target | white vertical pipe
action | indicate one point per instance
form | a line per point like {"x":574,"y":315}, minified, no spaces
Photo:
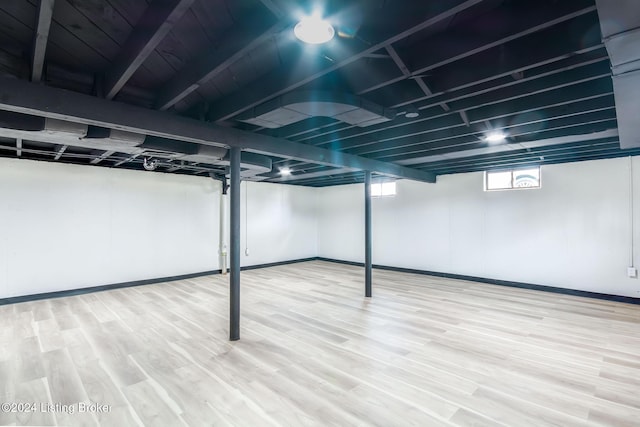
{"x":223,"y":232}
{"x":631,"y":212}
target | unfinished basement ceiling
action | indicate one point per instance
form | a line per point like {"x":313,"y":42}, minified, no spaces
{"x":536,"y":69}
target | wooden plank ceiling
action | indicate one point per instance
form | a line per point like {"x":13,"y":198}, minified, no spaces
{"x":534,"y":69}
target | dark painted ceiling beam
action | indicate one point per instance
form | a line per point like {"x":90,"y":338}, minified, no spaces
{"x":41,"y":37}
{"x":240,"y":40}
{"x":419,"y":162}
{"x":538,"y":118}
{"x":597,"y":72}
{"x":593,"y":122}
{"x":601,"y":87}
{"x":406,"y":73}
{"x":469,"y":79}
{"x":532,"y":159}
{"x":280,"y":8}
{"x":153,"y":26}
{"x":347,"y":51}
{"x":518,"y":158}
{"x":27,"y":98}
{"x":537,"y":19}
{"x":433,"y":56}
{"x":507,"y":60}
{"x":544,"y":75}
{"x":496,"y":159}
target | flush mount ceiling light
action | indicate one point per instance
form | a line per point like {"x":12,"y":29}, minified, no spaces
{"x":285,"y":172}
{"x":314,"y":30}
{"x":412,"y":112}
{"x":495,"y":137}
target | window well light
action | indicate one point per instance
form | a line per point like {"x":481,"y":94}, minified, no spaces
{"x":285,"y":172}
{"x":314,"y":30}
{"x":495,"y":137}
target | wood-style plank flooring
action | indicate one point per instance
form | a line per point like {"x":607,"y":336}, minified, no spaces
{"x":423,"y":352}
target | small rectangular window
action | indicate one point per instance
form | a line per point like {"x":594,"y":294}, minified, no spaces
{"x":512,"y":179}
{"x":383,"y":189}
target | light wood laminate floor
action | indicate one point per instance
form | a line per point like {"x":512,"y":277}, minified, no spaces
{"x":424,"y":351}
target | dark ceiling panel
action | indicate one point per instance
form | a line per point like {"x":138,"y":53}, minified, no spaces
{"x":535,"y":69}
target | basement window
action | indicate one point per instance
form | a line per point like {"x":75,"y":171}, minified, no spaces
{"x":512,"y":179}
{"x":383,"y":189}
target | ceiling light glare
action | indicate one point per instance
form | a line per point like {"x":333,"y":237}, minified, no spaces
{"x":285,"y":172}
{"x":314,"y":30}
{"x":495,"y":137}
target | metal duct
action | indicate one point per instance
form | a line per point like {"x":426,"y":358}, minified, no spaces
{"x":620,"y":25}
{"x":297,"y":106}
{"x":33,"y":128}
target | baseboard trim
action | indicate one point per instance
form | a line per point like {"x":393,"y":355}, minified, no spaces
{"x":535,"y":287}
{"x":88,"y":290}
{"x":276,"y":264}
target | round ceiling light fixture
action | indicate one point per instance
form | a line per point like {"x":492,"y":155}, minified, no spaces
{"x":411,"y":112}
{"x":314,"y":30}
{"x":495,"y":137}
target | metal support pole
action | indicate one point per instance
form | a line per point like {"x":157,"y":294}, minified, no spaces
{"x":367,"y":234}
{"x":234,"y":280}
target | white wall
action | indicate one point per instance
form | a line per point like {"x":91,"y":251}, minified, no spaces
{"x":282,"y":223}
{"x":573,"y":233}
{"x":67,"y":226}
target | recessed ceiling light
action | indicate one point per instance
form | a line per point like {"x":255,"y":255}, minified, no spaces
{"x":495,"y":137}
{"x":411,"y":112}
{"x":314,"y":30}
{"x":285,"y":171}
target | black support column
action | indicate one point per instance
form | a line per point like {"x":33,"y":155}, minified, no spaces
{"x":234,"y":282}
{"x":367,"y":234}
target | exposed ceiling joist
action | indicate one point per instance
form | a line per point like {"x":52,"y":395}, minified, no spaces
{"x":611,"y":133}
{"x":544,"y":106}
{"x":274,"y":85}
{"x":315,"y":174}
{"x":530,"y":25}
{"x":406,"y":73}
{"x":155,"y":24}
{"x":127,"y":160}
{"x":430,"y":60}
{"x":518,"y":125}
{"x":279,"y":8}
{"x":60,"y":152}
{"x":102,"y":157}
{"x":24,"y":97}
{"x":236,"y":44}
{"x":41,"y":37}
